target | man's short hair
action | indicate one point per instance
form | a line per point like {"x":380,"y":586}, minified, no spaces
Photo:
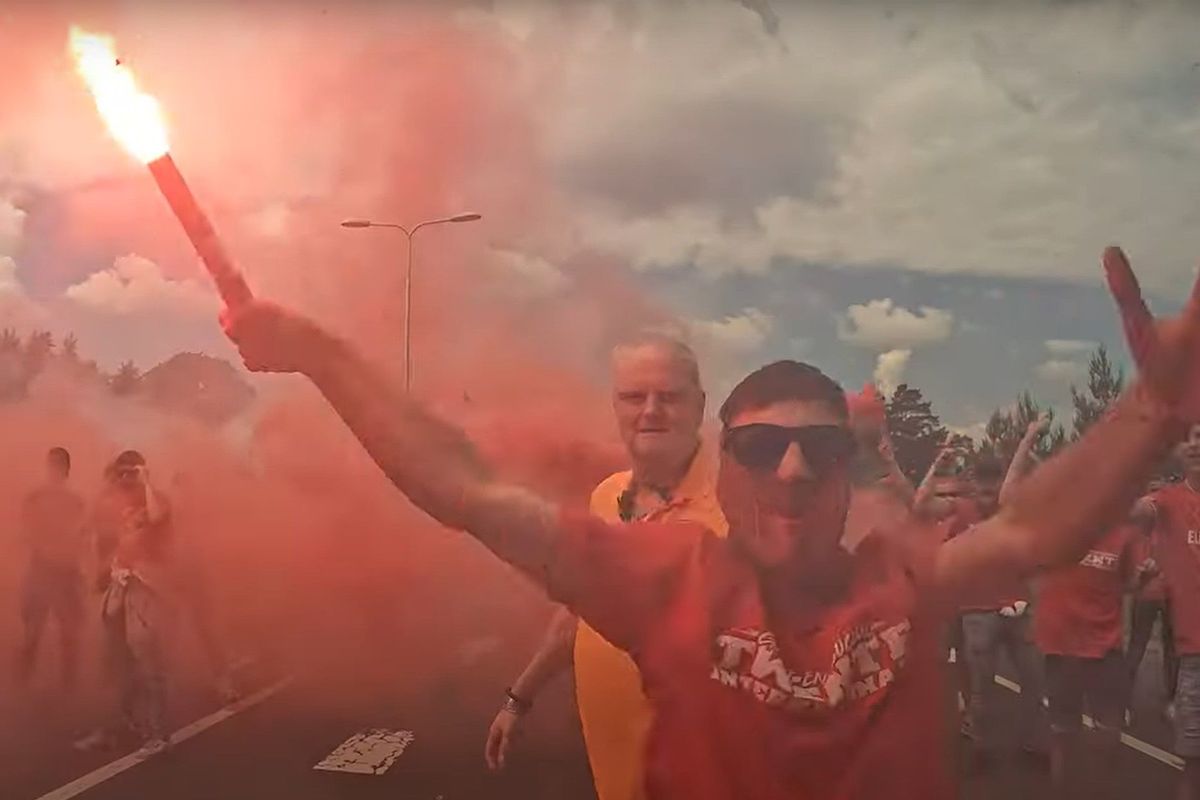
{"x":782,"y":381}
{"x":675,"y":346}
{"x":129,"y":458}
{"x":61,"y":457}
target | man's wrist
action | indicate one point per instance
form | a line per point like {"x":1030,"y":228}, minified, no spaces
{"x":1141,"y":405}
{"x":324,"y":354}
{"x":516,"y":704}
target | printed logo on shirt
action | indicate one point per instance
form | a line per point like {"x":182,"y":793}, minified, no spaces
{"x":1193,"y":537}
{"x":864,"y":661}
{"x":1100,"y":560}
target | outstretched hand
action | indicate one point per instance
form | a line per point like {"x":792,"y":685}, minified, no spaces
{"x":1166,"y":351}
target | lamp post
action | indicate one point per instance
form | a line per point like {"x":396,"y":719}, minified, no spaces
{"x":409,"y":233}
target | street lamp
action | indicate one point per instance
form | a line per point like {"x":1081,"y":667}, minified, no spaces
{"x":409,"y":233}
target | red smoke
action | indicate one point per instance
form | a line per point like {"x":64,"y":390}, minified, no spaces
{"x":310,"y":559}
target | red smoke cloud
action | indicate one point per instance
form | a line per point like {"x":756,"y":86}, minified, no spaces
{"x":310,"y":559}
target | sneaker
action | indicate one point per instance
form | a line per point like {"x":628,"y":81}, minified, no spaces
{"x":228,"y":689}
{"x":153,"y":747}
{"x":967,"y":729}
{"x":1037,"y":754}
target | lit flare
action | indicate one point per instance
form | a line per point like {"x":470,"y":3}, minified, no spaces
{"x":133,"y":117}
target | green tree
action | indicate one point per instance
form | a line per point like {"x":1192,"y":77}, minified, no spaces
{"x":126,"y":380}
{"x":1006,"y":427}
{"x":69,"y":349}
{"x":915,"y":430}
{"x":39,"y":348}
{"x":1105,"y":383}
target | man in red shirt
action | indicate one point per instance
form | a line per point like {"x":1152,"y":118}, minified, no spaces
{"x":958,"y":501}
{"x":780,"y":665}
{"x":1150,"y":605}
{"x":1000,"y":624}
{"x":1174,"y":511}
{"x":52,"y":524}
{"x":1078,"y":626}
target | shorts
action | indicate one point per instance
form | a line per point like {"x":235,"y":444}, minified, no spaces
{"x":52,"y":589}
{"x":1187,"y":708}
{"x":1074,"y":682}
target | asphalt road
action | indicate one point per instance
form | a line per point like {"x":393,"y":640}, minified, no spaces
{"x":268,"y":750}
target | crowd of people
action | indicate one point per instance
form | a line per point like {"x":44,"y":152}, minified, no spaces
{"x":1063,"y":633}
{"x":795,"y":646}
{"x":110,"y":561}
{"x":769,"y":611}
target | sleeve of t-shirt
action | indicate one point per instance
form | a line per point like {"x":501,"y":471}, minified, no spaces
{"x":618,"y":577}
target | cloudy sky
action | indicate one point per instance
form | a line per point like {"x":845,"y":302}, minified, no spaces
{"x":906,"y":192}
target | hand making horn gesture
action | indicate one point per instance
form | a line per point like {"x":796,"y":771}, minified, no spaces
{"x":1166,"y":351}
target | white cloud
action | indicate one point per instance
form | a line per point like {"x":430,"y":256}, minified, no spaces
{"x":889,"y":368}
{"x":528,"y":275}
{"x":272,"y":221}
{"x":956,"y":139}
{"x":1068,"y":347}
{"x":135,"y":284}
{"x":9,"y":283}
{"x":12,"y":226}
{"x":799,"y":346}
{"x":1057,"y":370}
{"x":882,"y":325}
{"x":976,"y":430}
{"x":735,"y":334}
{"x":17,"y":309}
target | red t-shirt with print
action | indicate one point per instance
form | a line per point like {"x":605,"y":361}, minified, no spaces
{"x":1079,"y":606}
{"x":850,"y":706}
{"x":1177,"y":541}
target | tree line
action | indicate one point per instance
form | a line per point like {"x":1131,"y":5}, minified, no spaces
{"x":918,"y":434}
{"x":191,"y":383}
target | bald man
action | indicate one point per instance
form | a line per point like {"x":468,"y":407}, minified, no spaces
{"x":658,"y":402}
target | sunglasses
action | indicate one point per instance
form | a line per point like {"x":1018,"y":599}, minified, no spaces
{"x":761,"y":446}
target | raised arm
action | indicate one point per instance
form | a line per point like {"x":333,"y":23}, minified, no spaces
{"x":925,"y":502}
{"x":1049,"y":520}
{"x":1024,"y":460}
{"x":428,"y":459}
{"x":894,"y":477}
{"x":158,"y":510}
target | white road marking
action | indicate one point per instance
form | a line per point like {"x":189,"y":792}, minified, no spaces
{"x":101,"y":774}
{"x":369,"y":752}
{"x":1145,"y":748}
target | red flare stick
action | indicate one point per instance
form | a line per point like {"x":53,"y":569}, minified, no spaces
{"x":231,"y":284}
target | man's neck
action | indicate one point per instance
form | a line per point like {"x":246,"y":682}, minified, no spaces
{"x":1192,"y":479}
{"x":795,"y":595}
{"x":664,"y":475}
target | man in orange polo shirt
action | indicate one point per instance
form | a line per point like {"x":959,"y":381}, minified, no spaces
{"x":658,"y":402}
